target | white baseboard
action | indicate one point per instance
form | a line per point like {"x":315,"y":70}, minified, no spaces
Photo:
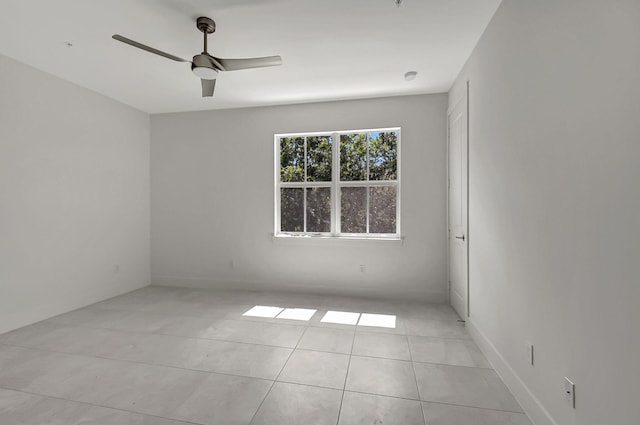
{"x":529,"y":402}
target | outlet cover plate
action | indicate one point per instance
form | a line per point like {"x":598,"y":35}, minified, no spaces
{"x":570,"y":392}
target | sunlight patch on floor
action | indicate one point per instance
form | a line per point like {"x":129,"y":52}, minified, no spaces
{"x":378,"y":320}
{"x":297,"y":314}
{"x":263,"y":311}
{"x":331,"y":316}
{"x":341,"y":317}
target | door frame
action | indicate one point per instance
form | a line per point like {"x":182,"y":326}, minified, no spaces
{"x":464,"y":97}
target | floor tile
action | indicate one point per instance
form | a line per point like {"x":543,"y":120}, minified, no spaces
{"x":326,"y":339}
{"x":316,"y":368}
{"x":381,"y":376}
{"x":436,"y":328}
{"x":429,"y":311}
{"x":457,"y":352}
{"x":399,"y":328}
{"x":188,"y":326}
{"x":80,"y":340}
{"x":467,"y":386}
{"x":255,"y":332}
{"x":36,"y":371}
{"x":356,"y":304}
{"x":154,"y":390}
{"x":223,"y":399}
{"x":135,"y":321}
{"x":366,"y":409}
{"x":251,"y":360}
{"x":22,"y":408}
{"x":256,"y":361}
{"x":291,"y":404}
{"x":189,"y":355}
{"x":445,"y":414}
{"x":387,"y":346}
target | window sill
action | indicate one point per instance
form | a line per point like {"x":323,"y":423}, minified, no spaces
{"x":339,"y":240}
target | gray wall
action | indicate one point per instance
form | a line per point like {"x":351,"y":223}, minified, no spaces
{"x":213,"y":209}
{"x":554,"y":150}
{"x":74,"y":196}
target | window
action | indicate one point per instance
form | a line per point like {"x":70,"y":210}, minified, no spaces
{"x":343,"y":183}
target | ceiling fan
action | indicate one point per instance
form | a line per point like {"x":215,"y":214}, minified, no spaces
{"x":205,"y":66}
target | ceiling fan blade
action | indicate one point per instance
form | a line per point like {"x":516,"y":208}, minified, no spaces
{"x":238,"y":64}
{"x":147,"y":48}
{"x":207,"y":87}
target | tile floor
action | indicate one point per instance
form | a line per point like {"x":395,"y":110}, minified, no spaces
{"x":171,"y":356}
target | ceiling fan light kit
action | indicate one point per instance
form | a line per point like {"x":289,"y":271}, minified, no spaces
{"x":205,"y":66}
{"x":202,"y":68}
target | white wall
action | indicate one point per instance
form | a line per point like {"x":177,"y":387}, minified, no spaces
{"x":554,"y":233}
{"x":212,"y":202}
{"x":74,"y":196}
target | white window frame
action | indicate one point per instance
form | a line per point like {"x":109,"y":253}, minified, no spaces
{"x":335,"y":185}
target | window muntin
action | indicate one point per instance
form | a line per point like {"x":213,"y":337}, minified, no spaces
{"x":349,"y":188}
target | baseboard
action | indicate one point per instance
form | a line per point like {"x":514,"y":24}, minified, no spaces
{"x":335,"y":288}
{"x":529,"y":403}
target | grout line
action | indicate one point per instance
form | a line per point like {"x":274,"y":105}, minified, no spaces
{"x":474,"y":407}
{"x":92,"y":356}
{"x":100,"y":405}
{"x":415,"y":379}
{"x":344,"y":387}
{"x":76,"y":325}
{"x":424,"y":417}
{"x":311,"y":385}
{"x":277,"y":376}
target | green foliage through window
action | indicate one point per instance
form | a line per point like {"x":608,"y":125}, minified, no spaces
{"x":367,"y":186}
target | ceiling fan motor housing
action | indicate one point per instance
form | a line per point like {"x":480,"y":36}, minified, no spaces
{"x":203,"y":67}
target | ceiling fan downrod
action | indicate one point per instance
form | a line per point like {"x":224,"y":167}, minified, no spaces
{"x":206,"y":26}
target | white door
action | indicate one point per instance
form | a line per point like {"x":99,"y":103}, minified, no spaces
{"x":458,"y":238}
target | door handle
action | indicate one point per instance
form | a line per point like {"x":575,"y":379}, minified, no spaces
{"x":460,"y":237}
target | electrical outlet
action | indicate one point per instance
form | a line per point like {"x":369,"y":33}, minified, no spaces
{"x":530,"y":357}
{"x":116,"y":268}
{"x":570,"y":392}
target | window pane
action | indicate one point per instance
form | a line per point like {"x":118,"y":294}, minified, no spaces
{"x":383,"y":155}
{"x":291,"y":159}
{"x":319,"y":158}
{"x":319,"y":209}
{"x":291,"y":210}
{"x":382,"y":209}
{"x":354,"y":210}
{"x":353,"y":157}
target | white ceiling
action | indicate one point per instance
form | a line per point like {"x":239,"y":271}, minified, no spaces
{"x":331,"y":49}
